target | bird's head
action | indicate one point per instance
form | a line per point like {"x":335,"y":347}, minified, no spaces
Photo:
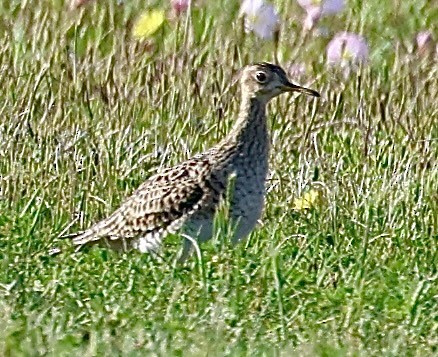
{"x":266,"y":81}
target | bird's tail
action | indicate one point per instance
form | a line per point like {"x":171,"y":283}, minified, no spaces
{"x":108,"y":227}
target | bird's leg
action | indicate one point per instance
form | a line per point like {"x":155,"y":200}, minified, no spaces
{"x":189,"y":244}
{"x":186,"y":251}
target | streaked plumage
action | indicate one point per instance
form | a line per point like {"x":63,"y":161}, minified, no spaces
{"x":185,"y":197}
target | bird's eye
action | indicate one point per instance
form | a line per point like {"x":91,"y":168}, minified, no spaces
{"x":261,"y":77}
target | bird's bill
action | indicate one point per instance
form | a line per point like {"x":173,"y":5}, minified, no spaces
{"x":290,"y":87}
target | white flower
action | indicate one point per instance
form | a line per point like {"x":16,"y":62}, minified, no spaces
{"x":260,"y":17}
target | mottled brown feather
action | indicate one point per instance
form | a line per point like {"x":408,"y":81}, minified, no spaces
{"x":159,"y":204}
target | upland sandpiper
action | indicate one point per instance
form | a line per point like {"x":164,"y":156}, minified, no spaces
{"x":184,"y":198}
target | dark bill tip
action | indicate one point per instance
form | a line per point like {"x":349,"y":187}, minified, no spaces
{"x":290,"y":87}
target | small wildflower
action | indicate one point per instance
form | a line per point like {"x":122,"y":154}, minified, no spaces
{"x":148,"y":23}
{"x":347,"y":48}
{"x":296,"y":70}
{"x":260,"y":17}
{"x":313,"y":16}
{"x":180,"y":6}
{"x":316,"y":9}
{"x":327,"y":7}
{"x":306,"y":201}
{"x":424,"y":43}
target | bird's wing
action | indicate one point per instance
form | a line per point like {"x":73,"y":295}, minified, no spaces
{"x":159,"y":206}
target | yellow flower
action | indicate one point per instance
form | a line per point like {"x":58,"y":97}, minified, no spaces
{"x":148,"y":23}
{"x":306,"y":201}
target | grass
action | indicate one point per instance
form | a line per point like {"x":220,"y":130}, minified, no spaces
{"x":88,"y":113}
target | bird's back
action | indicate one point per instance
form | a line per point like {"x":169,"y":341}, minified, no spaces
{"x":159,"y":206}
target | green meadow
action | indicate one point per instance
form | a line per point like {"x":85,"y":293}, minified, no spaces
{"x":88,"y":112}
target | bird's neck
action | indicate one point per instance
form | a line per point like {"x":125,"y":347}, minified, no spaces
{"x":251,"y":124}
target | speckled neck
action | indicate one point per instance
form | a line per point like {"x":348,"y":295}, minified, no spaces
{"x":250,"y":127}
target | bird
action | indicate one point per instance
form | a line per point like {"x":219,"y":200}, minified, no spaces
{"x":185,"y":198}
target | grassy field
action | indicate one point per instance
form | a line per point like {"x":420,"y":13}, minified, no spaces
{"x":88,"y":113}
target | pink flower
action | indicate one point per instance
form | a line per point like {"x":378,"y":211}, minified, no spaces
{"x":423,"y":38}
{"x":316,"y":9}
{"x":424,"y":43}
{"x":313,"y":15}
{"x":180,"y":6}
{"x":260,"y":17}
{"x":347,"y":48}
{"x":296,"y":70}
{"x":327,"y":7}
